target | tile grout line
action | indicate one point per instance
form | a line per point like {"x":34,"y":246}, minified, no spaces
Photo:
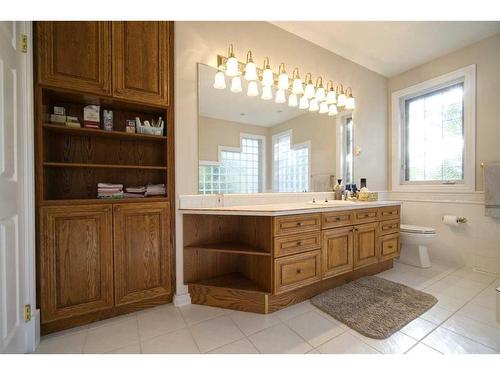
{"x":189,"y":330}
{"x":245,"y":335}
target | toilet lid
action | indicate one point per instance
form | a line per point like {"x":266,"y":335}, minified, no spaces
{"x":416,"y":229}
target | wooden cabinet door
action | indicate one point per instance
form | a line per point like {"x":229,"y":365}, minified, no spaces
{"x":365,"y":245}
{"x":141,"y":61}
{"x":76,"y":260}
{"x":390,"y":246}
{"x":142,"y":251}
{"x":337,"y":252}
{"x":75,"y":55}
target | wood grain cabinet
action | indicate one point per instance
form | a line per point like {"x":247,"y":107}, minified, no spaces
{"x":366,"y":249}
{"x":141,"y":61}
{"x":75,"y":55}
{"x":76,"y":262}
{"x":142,"y":251}
{"x":337,"y":252}
{"x":296,"y":271}
{"x":390,"y":246}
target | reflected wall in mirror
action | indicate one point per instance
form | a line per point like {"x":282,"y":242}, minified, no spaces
{"x":250,"y":145}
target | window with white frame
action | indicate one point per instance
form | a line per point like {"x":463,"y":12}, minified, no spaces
{"x":290,"y":164}
{"x":239,"y":170}
{"x":434,"y":133}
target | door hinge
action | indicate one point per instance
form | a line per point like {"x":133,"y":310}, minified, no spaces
{"x":24,"y":43}
{"x":27,"y":313}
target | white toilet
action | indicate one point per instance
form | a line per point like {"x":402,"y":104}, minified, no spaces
{"x":414,"y":241}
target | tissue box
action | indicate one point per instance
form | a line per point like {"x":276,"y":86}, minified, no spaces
{"x":368,"y":196}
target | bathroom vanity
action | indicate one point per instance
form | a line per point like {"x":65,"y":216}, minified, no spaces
{"x":262,"y":258}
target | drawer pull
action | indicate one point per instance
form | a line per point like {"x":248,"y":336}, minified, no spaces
{"x":299,"y":243}
{"x":337,"y":218}
{"x":390,"y":246}
{"x":299,"y":271}
{"x":299,"y":223}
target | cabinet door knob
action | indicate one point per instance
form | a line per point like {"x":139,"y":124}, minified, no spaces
{"x":299,"y":223}
{"x":299,"y":243}
{"x":299,"y":271}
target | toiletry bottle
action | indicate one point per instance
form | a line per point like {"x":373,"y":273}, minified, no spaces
{"x":338,"y":190}
{"x":362,"y":183}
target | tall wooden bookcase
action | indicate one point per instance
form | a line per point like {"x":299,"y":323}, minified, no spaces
{"x":98,"y":258}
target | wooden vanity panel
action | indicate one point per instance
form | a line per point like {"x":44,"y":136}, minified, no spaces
{"x":296,"y":271}
{"x":388,"y":226}
{"x":388,"y":213}
{"x":368,"y":215}
{"x":297,"y":243}
{"x":337,"y":219}
{"x":337,"y":251}
{"x":296,"y":224}
{"x":365,"y":245}
{"x":389,"y":246}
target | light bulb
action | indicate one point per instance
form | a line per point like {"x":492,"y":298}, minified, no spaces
{"x":252,"y":90}
{"x":331,"y":97}
{"x":236,"y":84}
{"x":232,"y":67}
{"x":219,"y":81}
{"x":251,"y":71}
{"x":283,"y":81}
{"x":309,"y":91}
{"x":332,"y":111}
{"x":280,"y":97}
{"x":350,"y":103}
{"x":292,"y":100}
{"x":297,"y":87}
{"x":341,"y":100}
{"x":320,"y":94}
{"x":303,"y":102}
{"x":323,"y":107}
{"x":313,"y":106}
{"x":267,"y":94}
{"x":267,"y":77}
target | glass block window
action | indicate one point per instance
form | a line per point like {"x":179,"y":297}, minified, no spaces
{"x":239,"y":170}
{"x":290,"y":164}
{"x":347,"y":151}
{"x":434,"y":136}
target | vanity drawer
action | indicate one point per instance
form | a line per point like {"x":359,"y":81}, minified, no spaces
{"x":296,"y":271}
{"x":365,"y":216}
{"x":387,"y":213}
{"x":297,"y":243}
{"x":296,"y":224}
{"x":389,"y":246}
{"x":389,"y":226}
{"x":337,"y":219}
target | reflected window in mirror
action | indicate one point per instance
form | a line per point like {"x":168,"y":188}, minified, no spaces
{"x":290,"y":164}
{"x":347,"y":150}
{"x":240,"y":170}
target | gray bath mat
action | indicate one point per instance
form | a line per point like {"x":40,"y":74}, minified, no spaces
{"x":373,"y":306}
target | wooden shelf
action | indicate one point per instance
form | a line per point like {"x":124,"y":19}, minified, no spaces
{"x":232,"y":248}
{"x":103,"y":133}
{"x":52,"y":202}
{"x":112,"y":166}
{"x":231,"y":281}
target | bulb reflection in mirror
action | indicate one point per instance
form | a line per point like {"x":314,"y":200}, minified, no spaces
{"x":236,"y":84}
{"x":219,"y":81}
{"x":332,"y":110}
{"x":266,"y":93}
{"x":292,"y":100}
{"x":303,"y":103}
{"x":253,"y":90}
{"x":280,"y":97}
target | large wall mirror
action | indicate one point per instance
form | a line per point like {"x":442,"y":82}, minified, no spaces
{"x":250,"y":145}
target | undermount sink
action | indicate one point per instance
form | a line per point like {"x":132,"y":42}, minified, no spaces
{"x":322,"y":202}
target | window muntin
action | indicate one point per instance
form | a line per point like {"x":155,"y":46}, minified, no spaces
{"x":434,"y":136}
{"x":290,"y":164}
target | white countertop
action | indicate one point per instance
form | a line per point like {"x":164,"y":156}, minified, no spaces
{"x":279,"y":209}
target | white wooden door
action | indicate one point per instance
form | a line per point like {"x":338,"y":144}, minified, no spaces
{"x":16,"y":190}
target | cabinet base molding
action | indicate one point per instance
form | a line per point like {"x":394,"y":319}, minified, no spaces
{"x":182,"y":299}
{"x":264,"y":303}
{"x":75,"y":321}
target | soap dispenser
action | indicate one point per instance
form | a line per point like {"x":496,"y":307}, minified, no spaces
{"x":338,"y":190}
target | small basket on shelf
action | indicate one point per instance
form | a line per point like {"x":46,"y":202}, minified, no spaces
{"x":151,"y":130}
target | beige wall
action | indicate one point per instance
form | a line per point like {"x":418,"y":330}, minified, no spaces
{"x":486,"y":55}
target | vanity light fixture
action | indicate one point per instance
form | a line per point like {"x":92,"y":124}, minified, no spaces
{"x":323,"y":107}
{"x":219,"y":80}
{"x":250,"y":68}
{"x":267,"y":74}
{"x":280,"y":96}
{"x":297,"y":86}
{"x":332,"y":110}
{"x":267,"y":94}
{"x":341,"y":98}
{"x":283,"y":83}
{"x":292,"y":100}
{"x":350,"y":104}
{"x":303,"y":102}
{"x":313,"y":105}
{"x":331,"y":96}
{"x":236,"y":84}
{"x":231,"y":64}
{"x":320,"y":90}
{"x":253,"y":89}
{"x":309,"y":91}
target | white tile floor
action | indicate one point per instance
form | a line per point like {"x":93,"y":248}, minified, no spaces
{"x":462,"y":322}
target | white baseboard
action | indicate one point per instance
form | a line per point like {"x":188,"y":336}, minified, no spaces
{"x":182,"y":299}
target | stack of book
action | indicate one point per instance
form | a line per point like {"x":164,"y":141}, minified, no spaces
{"x":135,"y":192}
{"x":155,"y":189}
{"x":109,"y":191}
